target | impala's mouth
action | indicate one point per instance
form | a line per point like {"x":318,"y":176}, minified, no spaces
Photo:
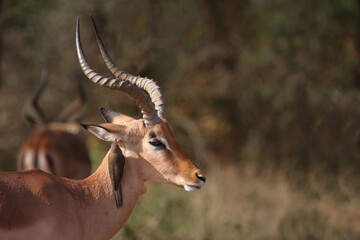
{"x":193,"y":187}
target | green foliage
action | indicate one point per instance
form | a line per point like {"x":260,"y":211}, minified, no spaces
{"x":159,"y":215}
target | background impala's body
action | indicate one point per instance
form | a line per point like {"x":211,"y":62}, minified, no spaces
{"x":54,"y":147}
{"x":55,"y":151}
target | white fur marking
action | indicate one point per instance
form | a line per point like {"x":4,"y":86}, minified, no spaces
{"x":193,"y":187}
{"x":102,"y":133}
{"x":28,"y":160}
{"x":43,"y":162}
{"x":163,"y":140}
{"x":190,"y":188}
{"x":105,"y":135}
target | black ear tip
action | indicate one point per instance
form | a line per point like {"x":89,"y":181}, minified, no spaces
{"x":84,"y":125}
{"x":103,"y":110}
{"x":108,"y":114}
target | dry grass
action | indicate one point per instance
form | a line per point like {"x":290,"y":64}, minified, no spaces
{"x":243,"y":204}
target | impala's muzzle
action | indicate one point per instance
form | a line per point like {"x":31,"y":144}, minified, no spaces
{"x":193,"y":187}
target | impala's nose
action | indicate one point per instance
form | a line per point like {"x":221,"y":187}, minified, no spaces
{"x":201,"y":177}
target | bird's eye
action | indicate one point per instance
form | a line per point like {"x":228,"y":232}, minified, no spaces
{"x":157,"y":143}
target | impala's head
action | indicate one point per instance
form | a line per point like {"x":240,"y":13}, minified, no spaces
{"x":151,"y":139}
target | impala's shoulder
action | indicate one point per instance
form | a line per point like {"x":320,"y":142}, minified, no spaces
{"x":18,"y":191}
{"x":25,"y":178}
{"x":32,"y":185}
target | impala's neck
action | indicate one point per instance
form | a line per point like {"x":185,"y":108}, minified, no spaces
{"x":100,"y":216}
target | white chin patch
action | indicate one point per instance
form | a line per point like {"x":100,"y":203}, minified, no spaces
{"x":190,"y":188}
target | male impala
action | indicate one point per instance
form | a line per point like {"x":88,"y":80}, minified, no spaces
{"x":54,"y":147}
{"x":36,"y":205}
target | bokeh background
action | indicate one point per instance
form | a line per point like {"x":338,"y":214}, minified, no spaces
{"x":264,"y":95}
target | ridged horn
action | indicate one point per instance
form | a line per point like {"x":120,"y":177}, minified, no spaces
{"x":76,"y":104}
{"x":40,"y":118}
{"x":126,"y":85}
{"x":146,"y":84}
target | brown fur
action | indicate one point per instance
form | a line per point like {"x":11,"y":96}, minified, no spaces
{"x":67,"y":153}
{"x":27,"y":193}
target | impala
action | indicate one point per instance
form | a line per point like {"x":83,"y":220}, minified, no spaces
{"x":54,"y":147}
{"x":42,"y":206}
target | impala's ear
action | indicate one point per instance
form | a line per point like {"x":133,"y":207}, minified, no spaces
{"x":111,"y":116}
{"x":107,"y":131}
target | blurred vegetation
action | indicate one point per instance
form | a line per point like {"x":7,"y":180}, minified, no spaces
{"x":270,"y":86}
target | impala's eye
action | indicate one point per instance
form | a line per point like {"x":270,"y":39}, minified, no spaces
{"x":157,"y":143}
